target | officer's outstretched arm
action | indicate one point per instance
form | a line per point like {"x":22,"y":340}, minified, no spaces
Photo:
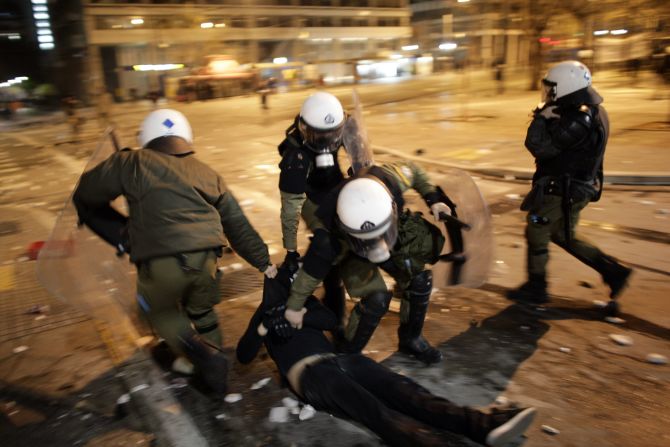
{"x":242,"y":236}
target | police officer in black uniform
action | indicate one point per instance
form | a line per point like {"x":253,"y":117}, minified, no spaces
{"x":567,"y":137}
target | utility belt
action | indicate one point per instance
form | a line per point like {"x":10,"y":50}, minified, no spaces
{"x":185,"y":259}
{"x":572,"y":188}
{"x":294,"y":374}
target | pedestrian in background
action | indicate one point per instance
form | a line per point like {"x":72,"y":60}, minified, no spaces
{"x":567,"y":137}
{"x":179,"y":210}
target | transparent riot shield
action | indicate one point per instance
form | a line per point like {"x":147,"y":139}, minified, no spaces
{"x":79,"y":268}
{"x":355,"y":137}
{"x":468,"y":250}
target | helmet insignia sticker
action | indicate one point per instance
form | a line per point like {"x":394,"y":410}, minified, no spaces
{"x":367,"y":225}
{"x":329,"y":119}
{"x":587,"y":77}
{"x":168,"y":123}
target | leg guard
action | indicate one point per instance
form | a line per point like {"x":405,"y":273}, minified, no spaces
{"x":409,"y":332}
{"x":210,"y":363}
{"x":364,"y":319}
{"x":333,"y":298}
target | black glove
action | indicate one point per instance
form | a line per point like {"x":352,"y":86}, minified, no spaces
{"x":274,"y":321}
{"x":291,"y":261}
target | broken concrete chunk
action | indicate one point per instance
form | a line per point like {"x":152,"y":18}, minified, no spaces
{"x":20,"y":349}
{"x":260,"y":384}
{"x":599,"y":303}
{"x":307,"y":412}
{"x":550,"y":430}
{"x":279,"y":415}
{"x":232,"y":398}
{"x":623,"y":340}
{"x":615,"y":320}
{"x":657,"y":359}
{"x":289,"y":402}
{"x":565,"y":350}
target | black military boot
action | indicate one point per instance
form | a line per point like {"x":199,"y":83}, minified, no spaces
{"x":369,"y":312}
{"x":532,"y":291}
{"x":614,"y":274}
{"x":209,"y":362}
{"x":410,"y":340}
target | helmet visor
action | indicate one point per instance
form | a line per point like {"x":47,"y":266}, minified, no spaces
{"x":548,"y":91}
{"x":376,"y":249}
{"x":321,"y":141}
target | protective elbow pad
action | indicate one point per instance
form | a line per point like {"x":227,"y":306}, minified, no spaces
{"x":321,"y":254}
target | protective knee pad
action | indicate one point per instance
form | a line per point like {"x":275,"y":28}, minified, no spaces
{"x":376,"y":304}
{"x":421,"y":284}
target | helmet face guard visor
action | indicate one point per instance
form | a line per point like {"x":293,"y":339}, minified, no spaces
{"x":324,"y":141}
{"x":548,"y":91}
{"x":375,"y":244}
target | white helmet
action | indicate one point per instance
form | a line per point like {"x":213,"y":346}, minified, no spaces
{"x":367,"y":213}
{"x":565,"y":78}
{"x":321,"y":124}
{"x":164,"y":123}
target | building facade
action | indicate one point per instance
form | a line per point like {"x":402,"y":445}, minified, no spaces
{"x":327,"y":35}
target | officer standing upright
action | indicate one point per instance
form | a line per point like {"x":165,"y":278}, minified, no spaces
{"x":567,"y":138}
{"x":179,"y":209}
{"x":309,"y":171}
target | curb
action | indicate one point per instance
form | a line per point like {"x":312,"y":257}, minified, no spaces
{"x":514,"y":173}
{"x":153,"y":403}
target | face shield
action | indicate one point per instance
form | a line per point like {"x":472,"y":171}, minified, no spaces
{"x":323,"y":142}
{"x":374,"y":244}
{"x":548,"y":91}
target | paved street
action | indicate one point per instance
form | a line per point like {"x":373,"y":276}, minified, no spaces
{"x":558,"y":358}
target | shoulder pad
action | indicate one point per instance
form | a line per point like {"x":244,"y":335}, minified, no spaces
{"x":574,"y":127}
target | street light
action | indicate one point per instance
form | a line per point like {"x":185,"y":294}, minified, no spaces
{"x":618,"y":32}
{"x":137,"y":21}
{"x":410,"y":47}
{"x":206,"y":25}
{"x":448,"y":46}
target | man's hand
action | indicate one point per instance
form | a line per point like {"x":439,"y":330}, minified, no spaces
{"x":270,"y":271}
{"x":291,"y":261}
{"x":549,"y":112}
{"x":295,"y":317}
{"x":273,"y":319}
{"x":439,"y":207}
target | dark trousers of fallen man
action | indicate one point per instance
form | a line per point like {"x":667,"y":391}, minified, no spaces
{"x":354,"y":387}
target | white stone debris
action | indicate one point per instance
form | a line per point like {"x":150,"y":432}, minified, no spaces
{"x":260,"y":384}
{"x":550,"y":430}
{"x":657,"y":359}
{"x":615,"y":320}
{"x":599,"y":303}
{"x":20,"y":349}
{"x":279,"y":414}
{"x":222,"y":417}
{"x":232,"y":398}
{"x":181,"y":365}
{"x":307,"y":412}
{"x":502,"y":401}
{"x":623,"y":340}
{"x":290,"y":402}
{"x":565,"y":350}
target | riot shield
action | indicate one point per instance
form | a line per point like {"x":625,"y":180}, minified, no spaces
{"x":355,"y":137}
{"x":78,"y":267}
{"x":468,"y":251}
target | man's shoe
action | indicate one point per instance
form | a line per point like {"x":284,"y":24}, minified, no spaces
{"x":209,"y":362}
{"x":421,"y":350}
{"x":509,"y":425}
{"x":530,"y":292}
{"x":618,"y":281}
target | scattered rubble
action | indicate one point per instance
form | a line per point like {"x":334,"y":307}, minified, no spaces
{"x":657,"y":359}
{"x":550,"y":430}
{"x":260,"y":384}
{"x":232,"y":398}
{"x":623,"y":340}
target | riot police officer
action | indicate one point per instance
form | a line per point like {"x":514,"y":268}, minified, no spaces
{"x":309,"y":171}
{"x":179,"y":210}
{"x":567,"y":137}
{"x":363,"y":228}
